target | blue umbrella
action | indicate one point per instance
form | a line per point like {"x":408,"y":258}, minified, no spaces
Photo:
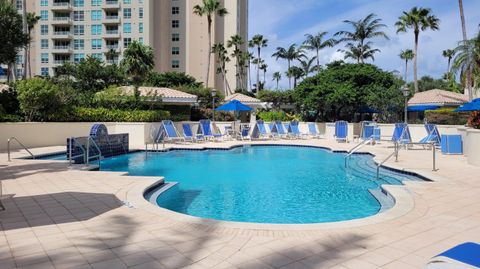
{"x":472,"y":106}
{"x":234,"y":106}
{"x":421,"y":108}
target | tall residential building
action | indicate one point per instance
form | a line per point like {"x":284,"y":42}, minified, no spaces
{"x":70,"y":30}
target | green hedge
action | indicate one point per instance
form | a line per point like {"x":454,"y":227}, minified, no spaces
{"x":276,"y":115}
{"x":10,"y":118}
{"x":82,"y":114}
{"x":446,"y":116}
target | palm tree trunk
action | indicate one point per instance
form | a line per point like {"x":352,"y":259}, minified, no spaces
{"x":415,"y":58}
{"x":465,"y":38}
{"x":25,"y":30}
{"x":250,"y":73}
{"x":289,"y":76}
{"x":209,"y":49}
{"x":258,"y":67}
{"x":448,"y":67}
{"x":318,"y":60}
{"x":406,"y":70}
{"x":277,"y":84}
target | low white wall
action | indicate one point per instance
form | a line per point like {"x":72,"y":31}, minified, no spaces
{"x":473,"y":148}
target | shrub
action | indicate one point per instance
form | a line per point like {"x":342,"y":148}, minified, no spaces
{"x":40,"y":98}
{"x":115,"y":98}
{"x":171,"y":79}
{"x":10,"y":118}
{"x":474,"y":120}
{"x":446,"y":116}
{"x":9,"y":102}
{"x":277,"y":115}
{"x":82,"y":114}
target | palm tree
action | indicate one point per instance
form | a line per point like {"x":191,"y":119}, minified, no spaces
{"x":467,"y":59}
{"x":295,"y":72}
{"x":259,"y":42}
{"x":290,"y":54}
{"x":222,"y":59}
{"x":418,"y":19}
{"x":316,"y":43}
{"x":32,"y":20}
{"x":406,"y":55}
{"x":277,"y":77}
{"x":363,"y":30}
{"x":465,"y":39}
{"x":209,"y":8}
{"x":137,"y":62}
{"x":449,"y":55}
{"x":359,"y":52}
{"x":111,"y":55}
{"x":236,"y":41}
{"x":264,"y":67}
{"x":307,"y":66}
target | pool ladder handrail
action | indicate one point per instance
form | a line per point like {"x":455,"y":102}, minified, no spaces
{"x":73,"y":140}
{"x":21,"y":144}
{"x":90,"y":140}
{"x":357,"y":148}
{"x":394,"y":153}
{"x":85,"y":151}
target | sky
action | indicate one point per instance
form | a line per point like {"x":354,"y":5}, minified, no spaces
{"x":284,"y":22}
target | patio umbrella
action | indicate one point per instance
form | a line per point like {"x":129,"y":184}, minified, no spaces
{"x":472,"y":106}
{"x":422,"y":108}
{"x":235,"y":106}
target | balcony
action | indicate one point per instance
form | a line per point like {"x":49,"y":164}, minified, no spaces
{"x":62,"y":21}
{"x":60,"y":62}
{"x":62,"y":35}
{"x":112,"y":34}
{"x":112,"y":61}
{"x":61,"y":6}
{"x":113,"y":47}
{"x":111,"y":5}
{"x":62,"y":49}
{"x":112,"y":19}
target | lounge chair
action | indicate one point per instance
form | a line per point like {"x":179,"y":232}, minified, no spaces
{"x":312,"y":130}
{"x":168,"y":132}
{"x":341,"y":131}
{"x":260,"y":131}
{"x":433,"y":135}
{"x":205,"y":129}
{"x":401,"y":134}
{"x":188,"y":134}
{"x":244,"y":132}
{"x":464,"y":256}
{"x":294,"y":130}
{"x":278,"y":130}
{"x":367,"y":130}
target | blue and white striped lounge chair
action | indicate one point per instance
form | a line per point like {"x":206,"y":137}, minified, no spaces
{"x":367,"y":130}
{"x":401,"y":133}
{"x":260,"y":131}
{"x":433,"y":135}
{"x":245,"y":132}
{"x":464,"y":256}
{"x":188,"y":134}
{"x":341,"y":131}
{"x":168,"y":132}
{"x":278,"y":130}
{"x":294,"y":130}
{"x":205,"y":129}
{"x":312,"y":130}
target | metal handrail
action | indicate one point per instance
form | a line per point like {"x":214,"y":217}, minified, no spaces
{"x":20,"y":143}
{"x":99,"y":156}
{"x":356,"y":148}
{"x":70,"y":157}
{"x":394,"y":153}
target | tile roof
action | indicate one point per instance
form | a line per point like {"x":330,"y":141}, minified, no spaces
{"x":438,"y":97}
{"x":166,"y":93}
{"x":242,"y":98}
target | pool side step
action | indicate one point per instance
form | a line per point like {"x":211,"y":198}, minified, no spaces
{"x":385,"y":200}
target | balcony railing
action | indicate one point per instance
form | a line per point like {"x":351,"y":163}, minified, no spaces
{"x":61,"y":18}
{"x":112,"y":32}
{"x":60,"y":61}
{"x":61,"y":4}
{"x":112,"y":47}
{"x":111,"y":2}
{"x":62,"y":33}
{"x":110,"y":61}
{"x":62,"y":47}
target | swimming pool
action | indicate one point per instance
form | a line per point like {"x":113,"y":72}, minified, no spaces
{"x":263,"y":184}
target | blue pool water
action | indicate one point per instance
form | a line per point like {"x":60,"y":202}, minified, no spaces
{"x":263,"y":184}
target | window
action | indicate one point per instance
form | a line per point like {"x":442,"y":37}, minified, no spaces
{"x":140,"y":40}
{"x":96,"y":15}
{"x":126,"y":42}
{"x":78,"y":57}
{"x":140,"y":13}
{"x":140,"y":27}
{"x":127,"y":1}
{"x":140,"y":1}
{"x":175,"y":23}
{"x":78,"y":44}
{"x":44,"y":43}
{"x":127,"y":28}
{"x":96,"y":3}
{"x":97,"y":56}
{"x":175,"y":64}
{"x":175,"y":51}
{"x":96,"y":29}
{"x":44,"y":58}
{"x":19,"y":4}
{"x":44,"y":71}
{"x":43,"y":3}
{"x":78,"y":15}
{"x":78,"y":29}
{"x":44,"y":29}
{"x":175,"y":10}
{"x":175,"y":37}
{"x":19,"y":59}
{"x":127,"y":13}
{"x":44,"y":15}
{"x":78,"y":3}
{"x":96,"y":44}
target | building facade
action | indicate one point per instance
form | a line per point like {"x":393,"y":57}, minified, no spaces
{"x":71,"y":30}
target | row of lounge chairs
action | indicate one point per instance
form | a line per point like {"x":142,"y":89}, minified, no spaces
{"x":208,"y":131}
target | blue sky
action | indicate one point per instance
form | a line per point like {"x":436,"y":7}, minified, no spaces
{"x":284,"y":22}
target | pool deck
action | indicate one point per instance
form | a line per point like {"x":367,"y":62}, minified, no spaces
{"x":58,"y":217}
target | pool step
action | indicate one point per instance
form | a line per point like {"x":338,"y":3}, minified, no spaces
{"x":385,"y":200}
